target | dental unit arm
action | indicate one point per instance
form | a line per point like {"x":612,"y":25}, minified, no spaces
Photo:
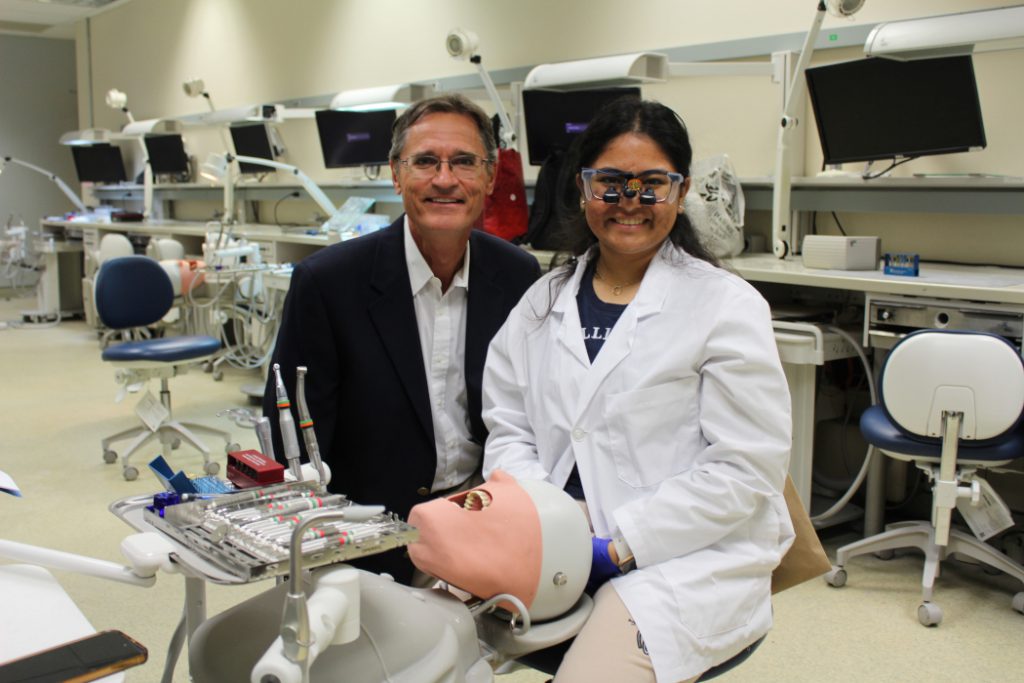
{"x":68,"y":192}
{"x":311,"y":188}
{"x":147,"y":553}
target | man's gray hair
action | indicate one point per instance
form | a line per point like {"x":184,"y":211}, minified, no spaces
{"x":450,"y":103}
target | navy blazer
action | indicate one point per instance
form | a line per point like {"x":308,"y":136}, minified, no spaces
{"x":349,"y":318}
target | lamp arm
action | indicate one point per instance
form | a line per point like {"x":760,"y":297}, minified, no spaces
{"x":508,"y":133}
{"x":220,"y":129}
{"x":782,"y":181}
{"x":75,"y":199}
{"x":311,"y":188}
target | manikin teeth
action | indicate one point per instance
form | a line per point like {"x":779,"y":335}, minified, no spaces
{"x":477,"y":500}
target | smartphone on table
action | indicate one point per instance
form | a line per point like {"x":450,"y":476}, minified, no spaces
{"x":78,"y":661}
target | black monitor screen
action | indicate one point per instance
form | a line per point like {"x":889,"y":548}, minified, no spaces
{"x":166,"y":154}
{"x":882,"y":109}
{"x":252,"y":140}
{"x":98,"y":163}
{"x":355,"y":138}
{"x":554,"y":119}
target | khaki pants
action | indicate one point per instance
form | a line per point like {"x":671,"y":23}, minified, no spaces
{"x":609,"y":648}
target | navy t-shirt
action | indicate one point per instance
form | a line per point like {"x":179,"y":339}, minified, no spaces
{"x":597,"y":318}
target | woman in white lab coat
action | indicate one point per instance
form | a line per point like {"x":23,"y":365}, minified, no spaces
{"x":645,"y":380}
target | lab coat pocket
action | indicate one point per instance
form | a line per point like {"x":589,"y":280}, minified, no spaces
{"x":652,"y":429}
{"x":710,"y":607}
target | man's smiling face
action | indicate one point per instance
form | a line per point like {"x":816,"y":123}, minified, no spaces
{"x":442,"y":201}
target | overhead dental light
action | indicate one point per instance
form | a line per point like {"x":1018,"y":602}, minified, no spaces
{"x":631,"y":69}
{"x":382,"y":97}
{"x":987,"y":30}
{"x":782,"y":216}
{"x":217,"y":168}
{"x":68,"y":192}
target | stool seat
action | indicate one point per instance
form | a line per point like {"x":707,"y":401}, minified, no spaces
{"x":879,"y":429}
{"x":164,"y":350}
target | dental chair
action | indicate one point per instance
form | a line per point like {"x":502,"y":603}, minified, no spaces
{"x":132,"y":292}
{"x":951,"y":403}
{"x":421,"y":635}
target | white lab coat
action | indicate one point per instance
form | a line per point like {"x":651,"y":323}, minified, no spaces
{"x":681,"y":431}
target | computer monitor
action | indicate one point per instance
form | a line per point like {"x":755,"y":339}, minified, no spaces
{"x":355,"y":138}
{"x":252,"y":140}
{"x":166,"y":154}
{"x":98,"y":163}
{"x":554,"y":119}
{"x":877,"y":108}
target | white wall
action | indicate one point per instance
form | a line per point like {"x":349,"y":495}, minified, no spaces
{"x":250,"y":51}
{"x":37,"y":104}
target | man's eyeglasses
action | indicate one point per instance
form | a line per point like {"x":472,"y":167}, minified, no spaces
{"x":466,"y":166}
{"x":611,"y":185}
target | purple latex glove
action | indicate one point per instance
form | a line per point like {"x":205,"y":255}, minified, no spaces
{"x":601,"y":567}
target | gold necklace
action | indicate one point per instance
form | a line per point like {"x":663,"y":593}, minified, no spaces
{"x":616,"y":289}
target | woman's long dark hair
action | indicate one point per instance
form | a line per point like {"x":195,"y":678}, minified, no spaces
{"x":666,"y":129}
{"x":621,"y":116}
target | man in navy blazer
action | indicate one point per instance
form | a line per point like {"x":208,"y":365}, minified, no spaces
{"x":394,"y":326}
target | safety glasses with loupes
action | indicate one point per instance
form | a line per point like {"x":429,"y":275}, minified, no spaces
{"x":610,"y":185}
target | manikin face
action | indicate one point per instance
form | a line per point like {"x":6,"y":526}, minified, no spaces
{"x":630,"y":228}
{"x":442,"y":201}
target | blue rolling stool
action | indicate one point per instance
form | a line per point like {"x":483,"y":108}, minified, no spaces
{"x":135,"y":292}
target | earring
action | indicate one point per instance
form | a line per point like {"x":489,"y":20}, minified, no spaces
{"x":681,"y":208}
{"x":583,"y":204}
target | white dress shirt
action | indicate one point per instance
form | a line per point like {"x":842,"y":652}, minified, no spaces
{"x":441,"y":320}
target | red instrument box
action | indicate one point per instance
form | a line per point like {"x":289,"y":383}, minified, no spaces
{"x":247,"y":469}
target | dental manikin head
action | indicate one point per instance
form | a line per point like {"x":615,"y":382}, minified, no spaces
{"x":526,"y":538}
{"x":185,"y":274}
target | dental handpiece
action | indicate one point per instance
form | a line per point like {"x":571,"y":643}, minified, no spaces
{"x":287,"y":424}
{"x":264,"y":437}
{"x":306,"y":424}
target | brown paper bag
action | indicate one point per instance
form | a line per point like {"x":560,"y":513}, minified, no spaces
{"x":805,"y":559}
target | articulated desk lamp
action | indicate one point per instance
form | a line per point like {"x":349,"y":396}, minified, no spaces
{"x":118,"y":100}
{"x":194,"y":87}
{"x":782,"y":217}
{"x":68,"y":192}
{"x":505,"y":211}
{"x":463,"y":44}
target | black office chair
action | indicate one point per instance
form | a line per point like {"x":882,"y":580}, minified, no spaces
{"x":951,"y":403}
{"x":133,"y":292}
